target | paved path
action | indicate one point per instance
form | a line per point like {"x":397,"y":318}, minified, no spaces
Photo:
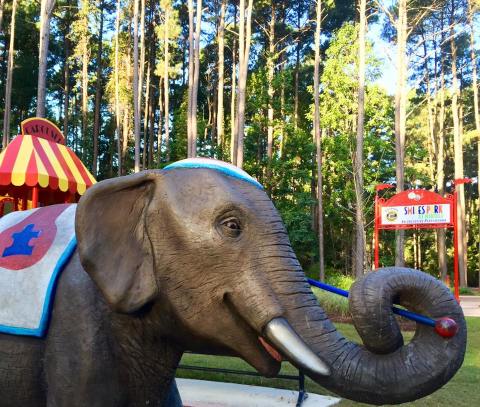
{"x":470,"y":305}
{"x":203,"y":393}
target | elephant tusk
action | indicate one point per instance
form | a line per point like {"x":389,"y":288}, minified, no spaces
{"x":280,"y":334}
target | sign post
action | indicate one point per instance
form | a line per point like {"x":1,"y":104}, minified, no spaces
{"x":417,"y":209}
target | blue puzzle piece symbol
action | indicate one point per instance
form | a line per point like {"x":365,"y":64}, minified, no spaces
{"x":20,"y":242}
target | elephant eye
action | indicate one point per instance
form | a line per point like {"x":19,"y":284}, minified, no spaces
{"x":231,"y":227}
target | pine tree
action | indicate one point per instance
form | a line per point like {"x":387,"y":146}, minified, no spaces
{"x":358,"y":162}
{"x":245,"y":36}
{"x":8,"y":87}
{"x":46,"y":9}
{"x":318,"y":139}
{"x":193,"y":74}
{"x":98,"y":90}
{"x":136,"y":105}
{"x":221,"y":72}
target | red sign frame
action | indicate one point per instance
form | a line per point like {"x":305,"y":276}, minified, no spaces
{"x":418,"y":197}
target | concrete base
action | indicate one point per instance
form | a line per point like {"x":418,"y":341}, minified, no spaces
{"x":202,"y":393}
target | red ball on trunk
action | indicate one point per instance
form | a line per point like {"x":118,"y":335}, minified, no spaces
{"x":446,"y":327}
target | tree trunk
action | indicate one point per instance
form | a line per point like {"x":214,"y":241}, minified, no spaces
{"x":196,"y":75}
{"x":8,"y":87}
{"x":282,"y":64}
{"x":241,"y":55}
{"x":318,"y":140}
{"x":98,"y":93}
{"x":66,"y":71}
{"x":358,"y":167}
{"x":441,"y":246}
{"x":151,"y":127}
{"x":281,"y":73}
{"x":146,"y":151}
{"x":245,"y":35}
{"x":117,"y":91}
{"x":126,"y":107}
{"x":166,"y":89}
{"x":477,"y":111}
{"x":297,"y":68}
{"x":136,"y":106}
{"x":141,"y":71}
{"x":66,"y":90}
{"x":85,"y":60}
{"x":458,"y":153}
{"x":221,"y":80}
{"x":159,"y":134}
{"x":1,"y":14}
{"x":151,"y":109}
{"x":432,"y":146}
{"x":191,"y":53}
{"x":212,"y":110}
{"x":46,"y":8}
{"x":233,"y":121}
{"x":270,"y":75}
{"x":74,"y":116}
{"x":400,"y":117}
{"x":125,"y":133}
{"x":184,"y":58}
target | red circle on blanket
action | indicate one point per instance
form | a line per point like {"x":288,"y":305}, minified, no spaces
{"x":22,"y":246}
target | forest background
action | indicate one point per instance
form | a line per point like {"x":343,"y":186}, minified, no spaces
{"x":287,"y":90}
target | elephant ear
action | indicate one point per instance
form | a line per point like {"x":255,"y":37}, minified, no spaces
{"x":113,"y":242}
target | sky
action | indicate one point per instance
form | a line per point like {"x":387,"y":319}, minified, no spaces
{"x":386,"y":52}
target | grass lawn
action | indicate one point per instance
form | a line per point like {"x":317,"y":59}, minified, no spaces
{"x":462,"y":390}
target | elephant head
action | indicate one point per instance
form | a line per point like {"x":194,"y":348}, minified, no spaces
{"x":203,"y":255}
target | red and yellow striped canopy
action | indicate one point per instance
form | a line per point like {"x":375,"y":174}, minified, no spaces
{"x":30,"y":160}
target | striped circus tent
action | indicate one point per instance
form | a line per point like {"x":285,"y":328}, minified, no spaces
{"x":34,"y":161}
{"x":37,"y":169}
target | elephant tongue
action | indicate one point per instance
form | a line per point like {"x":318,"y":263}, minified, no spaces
{"x":270,"y":349}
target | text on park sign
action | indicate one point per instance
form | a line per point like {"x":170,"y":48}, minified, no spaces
{"x":415,"y":214}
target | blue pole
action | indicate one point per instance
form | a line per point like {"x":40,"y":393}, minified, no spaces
{"x":404,"y":313}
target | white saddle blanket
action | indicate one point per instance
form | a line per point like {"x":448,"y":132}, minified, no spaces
{"x":35,"y":245}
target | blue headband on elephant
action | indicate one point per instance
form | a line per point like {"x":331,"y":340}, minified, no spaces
{"x":217,"y":165}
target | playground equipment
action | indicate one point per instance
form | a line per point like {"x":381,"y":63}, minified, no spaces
{"x":38,"y":169}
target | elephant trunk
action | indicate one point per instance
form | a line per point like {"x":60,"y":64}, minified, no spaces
{"x":384,"y":370}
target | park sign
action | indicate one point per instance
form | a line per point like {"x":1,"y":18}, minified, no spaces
{"x":418,"y":209}
{"x":415,"y":208}
{"x":415,"y":213}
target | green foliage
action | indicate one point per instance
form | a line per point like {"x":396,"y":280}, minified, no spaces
{"x":338,"y":115}
{"x":466,"y":291}
{"x":290,"y":176}
{"x":338,"y":280}
{"x":334,"y":305}
{"x":173,"y":31}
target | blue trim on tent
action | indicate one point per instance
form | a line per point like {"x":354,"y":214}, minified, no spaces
{"x":214,"y":166}
{"x":47,"y":305}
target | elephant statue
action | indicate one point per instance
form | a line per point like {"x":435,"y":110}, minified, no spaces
{"x":196,"y":257}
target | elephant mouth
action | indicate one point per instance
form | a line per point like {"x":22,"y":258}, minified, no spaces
{"x":275,"y":341}
{"x":279,"y":342}
{"x":271,"y":350}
